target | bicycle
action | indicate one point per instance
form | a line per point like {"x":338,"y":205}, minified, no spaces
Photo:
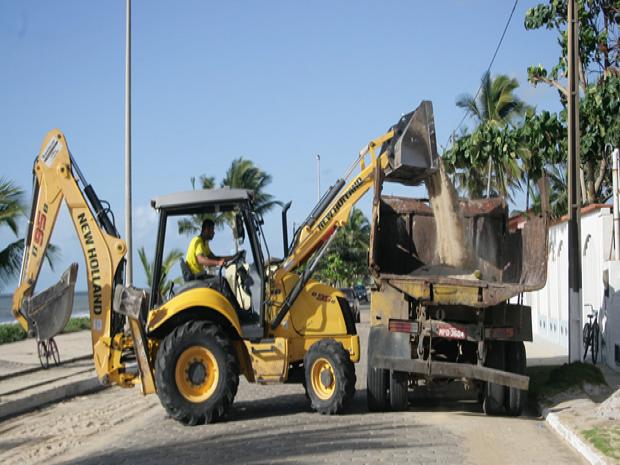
{"x":591,"y":332}
{"x":48,"y":349}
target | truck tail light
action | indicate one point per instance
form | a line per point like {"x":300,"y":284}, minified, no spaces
{"x":403,"y":326}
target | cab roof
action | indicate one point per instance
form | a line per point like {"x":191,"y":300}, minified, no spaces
{"x":187,"y":202}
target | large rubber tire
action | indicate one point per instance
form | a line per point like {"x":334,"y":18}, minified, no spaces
{"x":515,"y":399}
{"x":377,"y":383}
{"x":330,"y":377}
{"x":493,"y":403}
{"x":208,"y":351}
{"x":398,"y":390}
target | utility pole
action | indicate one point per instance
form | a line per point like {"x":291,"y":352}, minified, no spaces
{"x":574,"y":199}
{"x":129,"y":264}
{"x":318,"y":177}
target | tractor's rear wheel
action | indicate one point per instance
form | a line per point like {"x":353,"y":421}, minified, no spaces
{"x":196,"y":373}
{"x":330,"y":377}
{"x":493,"y":403}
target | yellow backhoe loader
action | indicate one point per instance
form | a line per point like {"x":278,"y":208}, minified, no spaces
{"x":265,"y":319}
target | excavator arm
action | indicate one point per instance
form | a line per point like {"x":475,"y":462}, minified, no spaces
{"x":407,"y":154}
{"x":57,"y":179}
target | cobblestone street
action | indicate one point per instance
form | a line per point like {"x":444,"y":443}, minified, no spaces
{"x":273,"y":424}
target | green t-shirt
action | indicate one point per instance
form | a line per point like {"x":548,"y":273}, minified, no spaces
{"x":197,"y":247}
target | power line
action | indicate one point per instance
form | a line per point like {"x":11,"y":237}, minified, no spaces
{"x":499,"y":44}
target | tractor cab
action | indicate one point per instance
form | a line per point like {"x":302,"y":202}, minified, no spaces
{"x":240,"y":281}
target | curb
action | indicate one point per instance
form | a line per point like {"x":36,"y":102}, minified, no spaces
{"x":592,"y":456}
{"x":57,"y":394}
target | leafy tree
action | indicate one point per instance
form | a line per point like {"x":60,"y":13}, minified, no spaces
{"x":599,"y":50}
{"x":169,"y":262}
{"x":471,"y":155}
{"x":11,"y":208}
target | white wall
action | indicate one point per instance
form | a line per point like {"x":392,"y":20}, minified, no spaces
{"x":550,"y":304}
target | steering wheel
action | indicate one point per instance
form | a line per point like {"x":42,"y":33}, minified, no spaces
{"x":239,"y":256}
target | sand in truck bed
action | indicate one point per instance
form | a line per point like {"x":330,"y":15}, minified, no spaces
{"x":453,"y":250}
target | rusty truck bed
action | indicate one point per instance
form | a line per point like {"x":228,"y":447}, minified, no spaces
{"x":402,"y":253}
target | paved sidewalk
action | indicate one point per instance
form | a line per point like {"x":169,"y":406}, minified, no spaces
{"x":573,"y":412}
{"x":21,"y":356}
{"x":25,"y":385}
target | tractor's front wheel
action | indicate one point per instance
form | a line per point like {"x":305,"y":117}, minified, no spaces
{"x":330,"y":377}
{"x":196,"y":373}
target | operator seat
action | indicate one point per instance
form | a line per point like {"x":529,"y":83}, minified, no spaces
{"x":188,"y":275}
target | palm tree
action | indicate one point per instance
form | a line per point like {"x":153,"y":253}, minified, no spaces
{"x":170,"y":260}
{"x":242,"y":174}
{"x":191,"y":225}
{"x":558,"y":193}
{"x":496,"y":105}
{"x":12,"y":207}
{"x":356,"y":232}
{"x":346,"y":261}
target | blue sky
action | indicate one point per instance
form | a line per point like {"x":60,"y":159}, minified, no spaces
{"x":273,"y":81}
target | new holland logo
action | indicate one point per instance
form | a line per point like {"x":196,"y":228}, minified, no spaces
{"x":341,"y":201}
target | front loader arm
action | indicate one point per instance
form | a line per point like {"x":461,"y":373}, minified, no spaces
{"x":55,"y":181}
{"x":336,"y":213}
{"x":407,"y":154}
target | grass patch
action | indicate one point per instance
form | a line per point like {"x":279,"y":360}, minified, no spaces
{"x":77,"y":324}
{"x":13,"y":332}
{"x":605,"y":439}
{"x":546,"y":381}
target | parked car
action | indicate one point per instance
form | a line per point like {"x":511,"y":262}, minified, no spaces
{"x":354,"y":303}
{"x":360,"y":293}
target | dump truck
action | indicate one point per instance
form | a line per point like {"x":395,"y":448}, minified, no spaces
{"x":434,"y":323}
{"x":259,"y":317}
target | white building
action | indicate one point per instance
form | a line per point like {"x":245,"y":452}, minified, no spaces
{"x":600,"y":284}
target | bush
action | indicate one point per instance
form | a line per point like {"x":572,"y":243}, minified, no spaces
{"x":77,"y":324}
{"x":13,"y":332}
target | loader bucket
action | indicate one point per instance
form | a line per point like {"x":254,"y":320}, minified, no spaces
{"x":413,"y":151}
{"x":49,"y":311}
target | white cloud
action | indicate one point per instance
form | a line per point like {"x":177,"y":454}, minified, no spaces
{"x":144,"y":223}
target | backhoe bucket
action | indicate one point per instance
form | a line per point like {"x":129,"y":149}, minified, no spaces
{"x":413,"y":151}
{"x":49,"y":311}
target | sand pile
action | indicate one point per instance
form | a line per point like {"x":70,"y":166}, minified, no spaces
{"x":453,"y":248}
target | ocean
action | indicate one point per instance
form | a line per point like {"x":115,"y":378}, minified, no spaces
{"x":80,"y":306}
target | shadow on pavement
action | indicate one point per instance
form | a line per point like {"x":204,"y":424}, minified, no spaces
{"x":292,"y":443}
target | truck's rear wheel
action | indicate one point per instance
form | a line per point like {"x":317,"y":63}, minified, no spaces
{"x":196,"y":373}
{"x":398,"y":390}
{"x":514,"y":401}
{"x":493,"y":403}
{"x":377,"y":382}
{"x":330,"y":377}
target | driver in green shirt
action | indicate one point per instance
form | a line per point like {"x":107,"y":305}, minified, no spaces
{"x":199,"y":253}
